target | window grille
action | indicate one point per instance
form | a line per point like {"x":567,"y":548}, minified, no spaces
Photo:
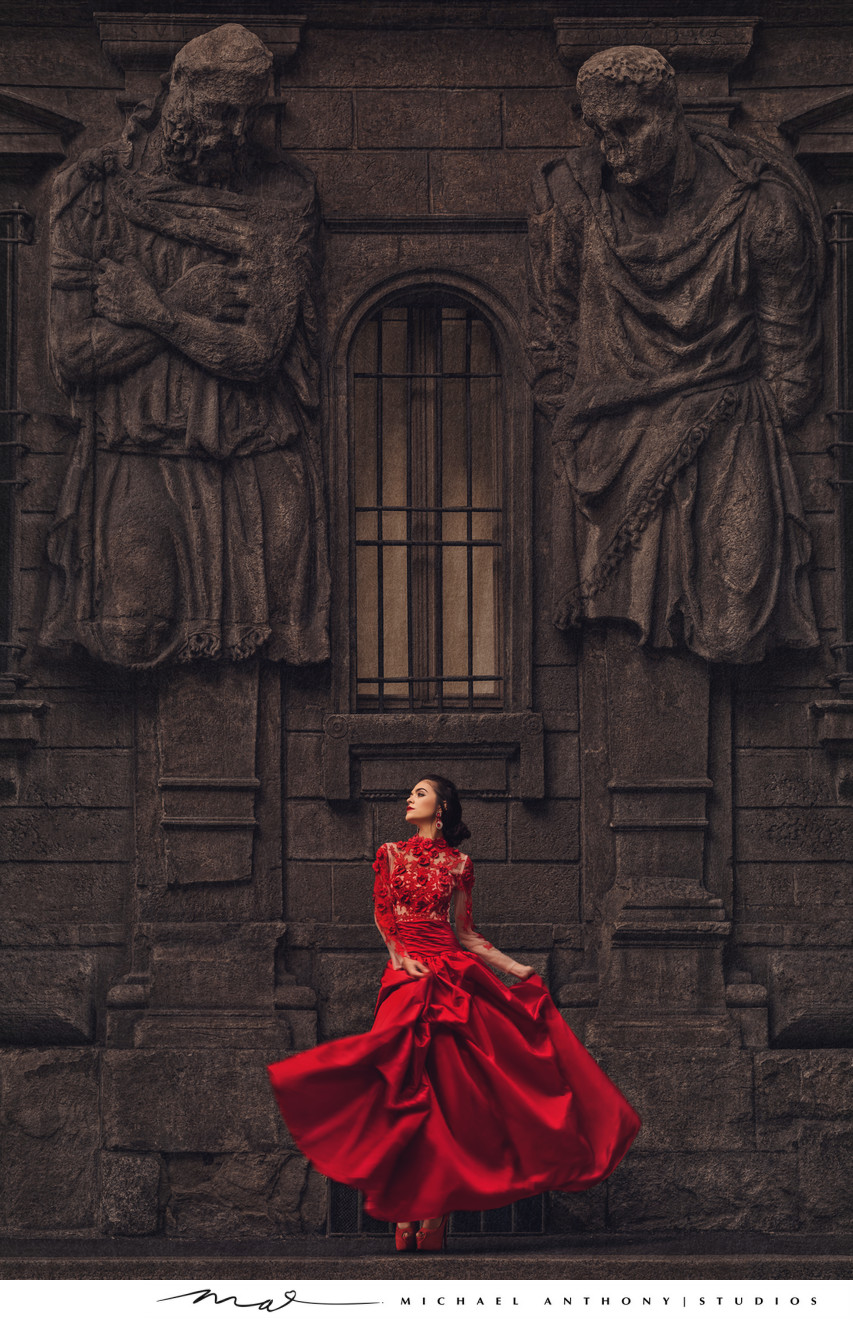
{"x":346,"y":1215}
{"x":428,"y":510}
{"x":842,"y":446}
{"x":15,"y":228}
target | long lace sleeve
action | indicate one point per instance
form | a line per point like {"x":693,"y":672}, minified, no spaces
{"x":383,"y":911}
{"x":468,"y":935}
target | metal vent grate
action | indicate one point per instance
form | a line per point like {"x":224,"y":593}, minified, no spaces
{"x":346,"y":1215}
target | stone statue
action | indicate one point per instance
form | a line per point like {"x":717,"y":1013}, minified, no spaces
{"x":675,"y":338}
{"x":191,"y":522}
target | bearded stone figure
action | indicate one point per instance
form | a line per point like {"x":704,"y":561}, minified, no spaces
{"x":191,"y":523}
{"x":675,"y":335}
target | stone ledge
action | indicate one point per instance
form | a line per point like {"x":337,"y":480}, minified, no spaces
{"x":28,"y":934}
{"x":469,"y":1263}
{"x":497,"y":733}
{"x":789,"y":935}
{"x":708,"y":1243}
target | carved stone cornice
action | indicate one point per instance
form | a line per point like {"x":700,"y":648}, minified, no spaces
{"x":690,"y":44}
{"x":32,"y":137}
{"x":822,"y":136}
{"x":149,"y":42}
{"x":503,"y":734}
{"x":703,"y":51}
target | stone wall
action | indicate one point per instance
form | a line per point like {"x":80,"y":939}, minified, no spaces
{"x":423,"y":125}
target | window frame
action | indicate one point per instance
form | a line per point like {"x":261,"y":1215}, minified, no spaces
{"x":841,"y":447}
{"x":16,"y":225}
{"x":432,"y":450}
{"x":516,"y":433}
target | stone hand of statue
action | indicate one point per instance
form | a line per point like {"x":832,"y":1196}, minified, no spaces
{"x":125,"y":295}
{"x":211,"y":290}
{"x":99,"y":162}
{"x":414,"y":967}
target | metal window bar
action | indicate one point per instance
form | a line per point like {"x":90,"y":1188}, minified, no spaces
{"x":428,"y":678}
{"x":16,"y":227}
{"x":380,"y":556}
{"x":410,"y":623}
{"x":430,"y":509}
{"x":469,"y":496}
{"x":428,"y":376}
{"x":425,"y":541}
{"x":842,"y":415}
{"x":438,"y":611}
{"x":424,"y":523}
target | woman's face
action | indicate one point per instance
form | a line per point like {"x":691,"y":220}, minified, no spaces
{"x":421,"y":803}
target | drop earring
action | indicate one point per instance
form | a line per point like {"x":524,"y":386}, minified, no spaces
{"x":438,"y":820}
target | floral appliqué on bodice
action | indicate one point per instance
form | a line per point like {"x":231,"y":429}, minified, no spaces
{"x":419,"y":879}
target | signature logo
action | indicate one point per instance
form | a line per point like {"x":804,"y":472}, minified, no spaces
{"x":263,"y":1304}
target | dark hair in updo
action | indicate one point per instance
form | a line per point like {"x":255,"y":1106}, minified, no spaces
{"x":453,"y":828}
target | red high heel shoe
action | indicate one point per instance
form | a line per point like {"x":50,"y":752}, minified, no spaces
{"x":432,"y":1240}
{"x":404,"y":1239}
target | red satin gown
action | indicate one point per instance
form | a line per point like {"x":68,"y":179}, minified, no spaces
{"x":465,"y":1094}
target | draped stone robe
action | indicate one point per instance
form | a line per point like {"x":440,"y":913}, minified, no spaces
{"x":192,"y":519}
{"x":671,"y":352}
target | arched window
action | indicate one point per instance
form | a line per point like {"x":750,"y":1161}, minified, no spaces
{"x":428,"y":492}
{"x":841,"y":447}
{"x":15,"y":229}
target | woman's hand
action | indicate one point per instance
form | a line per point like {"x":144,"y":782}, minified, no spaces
{"x":414,"y":967}
{"x":522,"y":971}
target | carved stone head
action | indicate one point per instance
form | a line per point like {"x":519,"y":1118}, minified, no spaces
{"x":218,"y":83}
{"x":629,"y":99}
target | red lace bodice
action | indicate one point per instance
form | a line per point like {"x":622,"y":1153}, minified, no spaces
{"x":420,"y":879}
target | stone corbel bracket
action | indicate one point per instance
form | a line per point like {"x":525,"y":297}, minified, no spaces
{"x":822,"y":136}
{"x":150,"y":42}
{"x":703,"y":51}
{"x":142,"y":45}
{"x":32,"y":137}
{"x":835,"y":735}
{"x":665,"y":977}
{"x":346,"y":736}
{"x":20,"y":732}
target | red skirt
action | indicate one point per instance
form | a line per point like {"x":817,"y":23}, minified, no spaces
{"x":466,"y":1094}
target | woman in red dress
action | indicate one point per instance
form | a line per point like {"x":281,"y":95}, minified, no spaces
{"x":466,"y":1093}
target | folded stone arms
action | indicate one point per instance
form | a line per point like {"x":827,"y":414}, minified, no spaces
{"x":235,"y":337}
{"x":233,"y":315}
